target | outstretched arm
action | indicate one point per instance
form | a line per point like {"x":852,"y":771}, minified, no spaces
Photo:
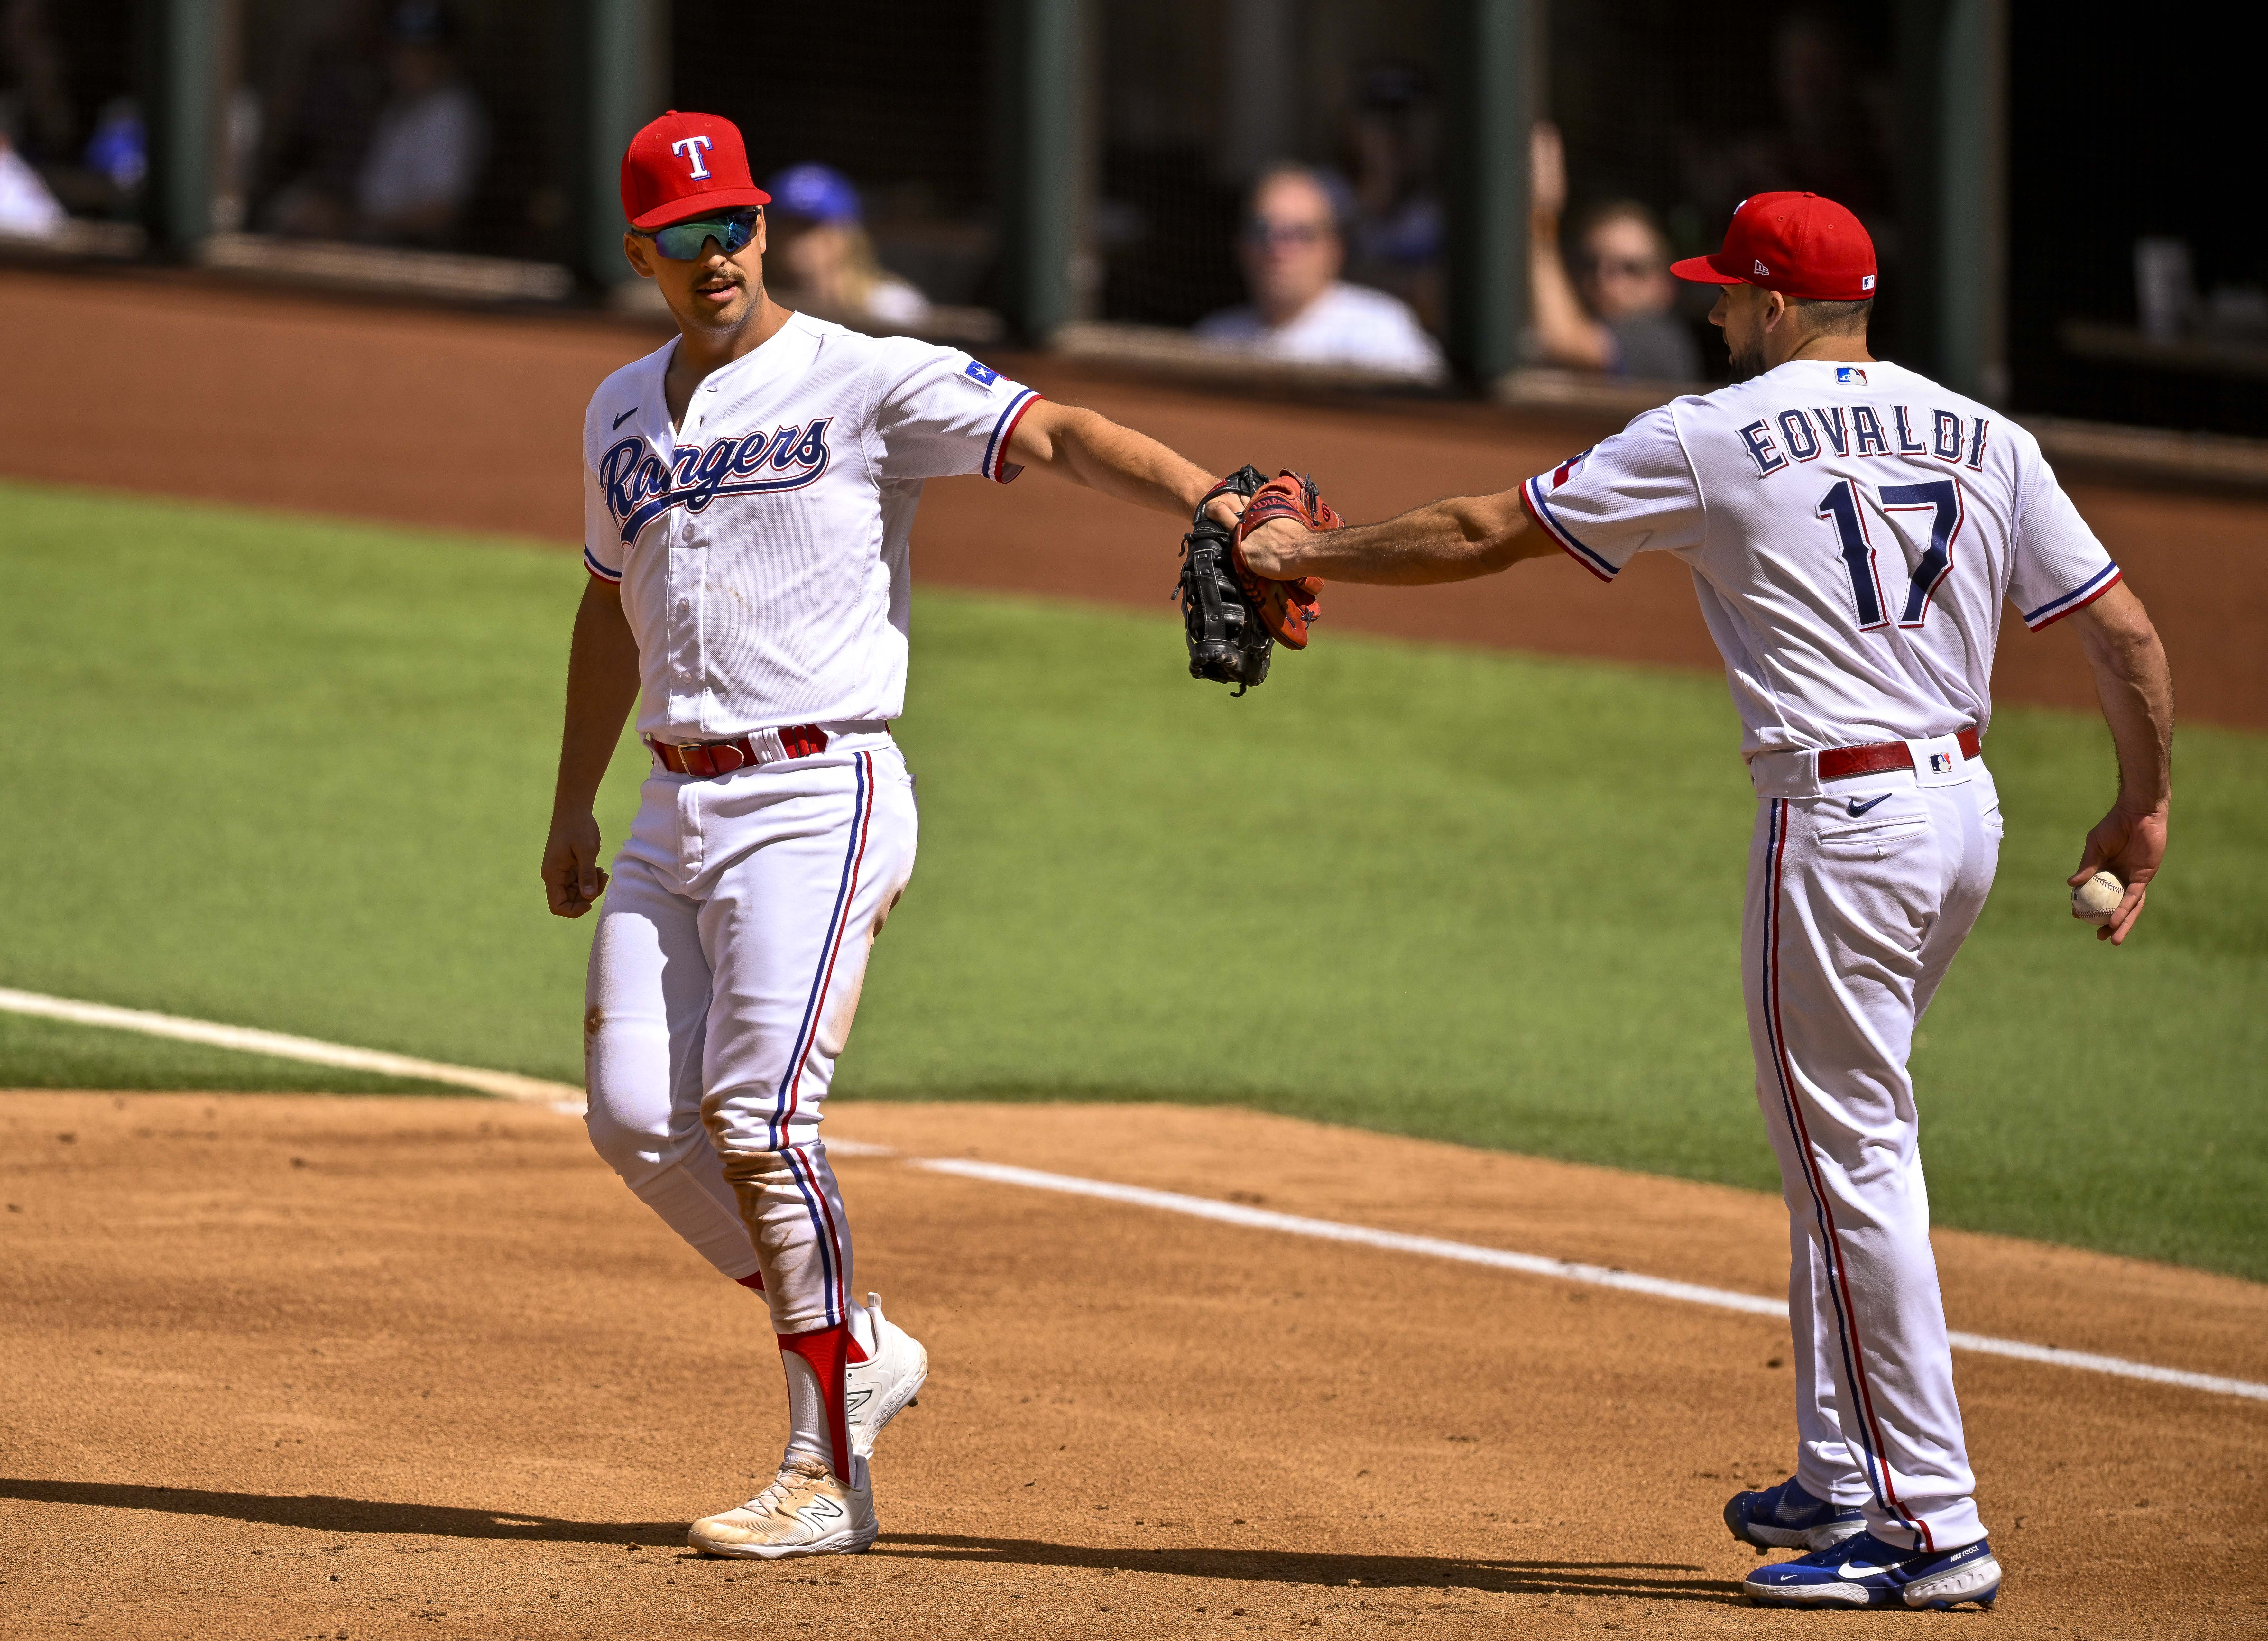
{"x":602,"y":681}
{"x":1455,"y":540}
{"x":1089,"y":448}
{"x":2137,"y":690}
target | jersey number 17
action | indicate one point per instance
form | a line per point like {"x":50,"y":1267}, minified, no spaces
{"x":1842,"y":507}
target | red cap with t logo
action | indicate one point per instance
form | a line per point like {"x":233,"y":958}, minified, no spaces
{"x":683,"y":164}
{"x":1800,"y":244}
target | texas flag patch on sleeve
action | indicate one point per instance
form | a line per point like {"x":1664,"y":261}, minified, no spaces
{"x":983,"y":375}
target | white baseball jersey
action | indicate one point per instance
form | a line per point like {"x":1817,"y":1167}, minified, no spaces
{"x":1853,"y":529}
{"x":762,"y":547}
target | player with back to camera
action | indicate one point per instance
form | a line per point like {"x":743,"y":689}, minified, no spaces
{"x":1852,"y":529}
{"x":749,"y":489}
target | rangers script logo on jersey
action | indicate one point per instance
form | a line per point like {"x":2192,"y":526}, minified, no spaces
{"x":640,"y":485}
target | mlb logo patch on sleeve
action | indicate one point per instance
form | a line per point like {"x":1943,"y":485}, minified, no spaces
{"x":983,"y":375}
{"x":1849,"y":376}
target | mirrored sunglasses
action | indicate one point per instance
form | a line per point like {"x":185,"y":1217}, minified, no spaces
{"x":682,"y":241}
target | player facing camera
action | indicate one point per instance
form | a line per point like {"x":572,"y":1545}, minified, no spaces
{"x":697,"y":221}
{"x":749,"y":494}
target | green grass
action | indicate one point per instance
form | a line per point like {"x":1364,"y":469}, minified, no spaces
{"x":295,"y":775}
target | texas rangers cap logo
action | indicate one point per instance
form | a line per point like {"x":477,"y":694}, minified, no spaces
{"x":692,"y":148}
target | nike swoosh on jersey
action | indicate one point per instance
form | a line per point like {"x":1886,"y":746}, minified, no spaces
{"x":626,"y":415}
{"x":1857,"y":808}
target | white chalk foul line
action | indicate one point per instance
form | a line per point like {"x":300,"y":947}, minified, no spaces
{"x":1536,"y":1265}
{"x":503,"y":1085}
{"x":568,"y":1099}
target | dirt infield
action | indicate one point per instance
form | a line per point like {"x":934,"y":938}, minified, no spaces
{"x":372,"y":1368}
{"x":469,"y":422}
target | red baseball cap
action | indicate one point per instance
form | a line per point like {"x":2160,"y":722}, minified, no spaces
{"x":1800,"y":244}
{"x":682,"y":165}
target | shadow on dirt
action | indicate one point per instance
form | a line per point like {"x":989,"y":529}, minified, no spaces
{"x":1648,"y":1580}
{"x":323,"y":1513}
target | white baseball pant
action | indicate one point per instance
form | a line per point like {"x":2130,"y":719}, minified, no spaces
{"x":1860,"y":892}
{"x":730,"y":953}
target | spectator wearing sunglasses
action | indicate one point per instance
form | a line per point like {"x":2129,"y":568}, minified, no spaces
{"x":1619,"y":316}
{"x":1292,"y":247}
{"x":819,"y":240}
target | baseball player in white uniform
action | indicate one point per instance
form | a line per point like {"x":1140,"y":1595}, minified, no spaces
{"x":1853,"y":529}
{"x":750,"y":489}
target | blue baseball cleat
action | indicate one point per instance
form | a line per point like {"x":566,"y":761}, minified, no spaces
{"x":1787,"y":1518}
{"x":1864,"y":1571}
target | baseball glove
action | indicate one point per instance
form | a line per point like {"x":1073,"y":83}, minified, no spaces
{"x":1233,"y":617}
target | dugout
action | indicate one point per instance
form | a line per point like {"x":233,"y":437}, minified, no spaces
{"x":1072,"y":171}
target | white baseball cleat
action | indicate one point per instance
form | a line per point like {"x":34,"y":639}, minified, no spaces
{"x":878,"y":1389}
{"x":807,"y":1511}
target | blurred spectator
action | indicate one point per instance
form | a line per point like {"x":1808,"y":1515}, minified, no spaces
{"x":393,"y":159}
{"x":425,"y":155}
{"x":1396,"y":234}
{"x":322,"y":104}
{"x":1830,"y":138}
{"x":117,"y":152}
{"x":27,"y":210}
{"x":1292,"y":248}
{"x":1624,"y":322}
{"x":31,"y":67}
{"x":817,"y":244}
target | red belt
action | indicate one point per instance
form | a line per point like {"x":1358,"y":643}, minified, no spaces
{"x":1839,"y":763}
{"x":705,"y":760}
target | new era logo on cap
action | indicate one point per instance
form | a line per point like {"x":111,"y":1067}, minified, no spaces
{"x":1763,"y":272}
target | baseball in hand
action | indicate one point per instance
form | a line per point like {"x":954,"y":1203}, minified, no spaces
{"x":2095,"y":900}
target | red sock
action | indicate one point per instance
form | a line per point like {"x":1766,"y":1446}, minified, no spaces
{"x":828,"y":1349}
{"x":756,"y":1282}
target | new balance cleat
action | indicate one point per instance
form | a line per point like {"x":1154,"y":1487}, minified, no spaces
{"x":1787,"y":1518}
{"x":1864,"y":1571}
{"x":878,"y":1389}
{"x":807,"y":1511}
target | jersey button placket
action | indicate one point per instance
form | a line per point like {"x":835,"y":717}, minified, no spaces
{"x":684,"y":618}
{"x":692,"y":605}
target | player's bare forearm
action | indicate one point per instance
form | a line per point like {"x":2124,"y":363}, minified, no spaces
{"x":1089,"y":448}
{"x":602,"y":678}
{"x":1454,"y":539}
{"x":2136,"y":686}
